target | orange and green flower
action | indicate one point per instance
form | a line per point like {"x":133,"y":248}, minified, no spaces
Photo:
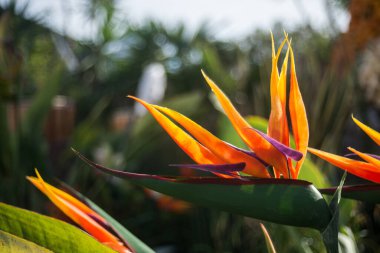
{"x":368,"y":168}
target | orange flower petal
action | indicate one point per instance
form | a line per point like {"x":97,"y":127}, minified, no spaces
{"x":65,"y":196}
{"x":263,"y":149}
{"x":78,"y":214}
{"x":375,"y":136}
{"x":283,"y":74}
{"x":196,"y":151}
{"x":278,"y":124}
{"x":215,"y":145}
{"x":168,"y":203}
{"x":366,"y":157}
{"x":298,"y":116}
{"x":361,"y":169}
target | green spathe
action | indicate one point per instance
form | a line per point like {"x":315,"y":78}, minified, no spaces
{"x":289,"y":204}
{"x":283,"y":201}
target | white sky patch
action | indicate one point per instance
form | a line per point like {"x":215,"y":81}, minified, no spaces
{"x":228,"y":19}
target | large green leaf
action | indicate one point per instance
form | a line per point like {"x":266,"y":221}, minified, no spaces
{"x":14,"y":244}
{"x":47,"y":232}
{"x":290,"y":202}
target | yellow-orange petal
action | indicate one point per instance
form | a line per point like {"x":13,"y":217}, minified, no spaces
{"x":263,"y":149}
{"x":220,"y":148}
{"x":65,"y":196}
{"x":196,"y":151}
{"x":298,"y":115}
{"x":278,"y":123}
{"x":283,"y":74}
{"x":361,"y":169}
{"x":375,"y":136}
{"x":76,"y":213}
{"x":367,"y":158}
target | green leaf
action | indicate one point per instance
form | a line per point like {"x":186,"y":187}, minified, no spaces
{"x":47,"y":232}
{"x":138,"y":245}
{"x":367,"y":192}
{"x":283,"y":201}
{"x":330,"y":234}
{"x":14,"y":244}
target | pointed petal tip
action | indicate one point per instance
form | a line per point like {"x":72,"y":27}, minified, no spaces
{"x":372,"y":133}
{"x":209,"y":81}
{"x":143,"y":102}
{"x":134,"y":98}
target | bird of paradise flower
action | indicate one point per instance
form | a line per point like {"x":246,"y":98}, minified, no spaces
{"x":269,"y":149}
{"x":368,"y":169}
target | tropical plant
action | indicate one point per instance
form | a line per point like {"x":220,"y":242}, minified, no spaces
{"x":27,"y":231}
{"x":282,"y":199}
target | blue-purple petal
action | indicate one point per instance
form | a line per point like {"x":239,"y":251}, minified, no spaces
{"x":288,"y":152}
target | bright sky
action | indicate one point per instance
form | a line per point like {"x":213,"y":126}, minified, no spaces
{"x":228,"y":19}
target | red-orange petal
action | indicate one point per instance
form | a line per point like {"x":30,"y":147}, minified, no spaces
{"x":298,"y":116}
{"x":196,"y":151}
{"x":263,"y":149}
{"x":375,"y":136}
{"x":78,"y":213}
{"x":220,"y":148}
{"x":361,"y":169}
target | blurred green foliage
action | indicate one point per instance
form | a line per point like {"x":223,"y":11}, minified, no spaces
{"x":36,"y":64}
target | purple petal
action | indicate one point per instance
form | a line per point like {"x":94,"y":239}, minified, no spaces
{"x":250,"y":153}
{"x":226,"y":169}
{"x":355,"y":155}
{"x":289,"y":152}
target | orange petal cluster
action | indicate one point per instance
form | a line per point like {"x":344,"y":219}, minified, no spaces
{"x":368,"y":169}
{"x":205,"y":148}
{"x":80,"y":213}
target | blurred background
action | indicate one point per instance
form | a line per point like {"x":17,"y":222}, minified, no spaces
{"x":66,"y":68}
